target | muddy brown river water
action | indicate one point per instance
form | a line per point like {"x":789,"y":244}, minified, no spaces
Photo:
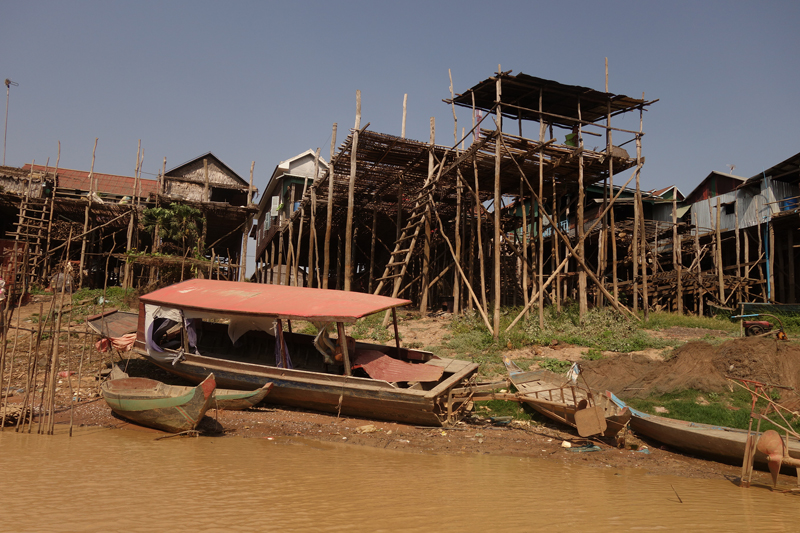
{"x":118,"y":480}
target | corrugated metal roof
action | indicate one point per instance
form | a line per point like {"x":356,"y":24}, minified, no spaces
{"x":103,"y":183}
{"x":278,"y":301}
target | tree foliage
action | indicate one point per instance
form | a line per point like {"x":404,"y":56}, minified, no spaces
{"x":177,"y":223}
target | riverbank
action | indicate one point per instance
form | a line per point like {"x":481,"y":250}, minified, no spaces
{"x":673,"y":366}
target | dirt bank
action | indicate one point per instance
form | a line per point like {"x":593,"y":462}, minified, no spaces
{"x":696,"y":365}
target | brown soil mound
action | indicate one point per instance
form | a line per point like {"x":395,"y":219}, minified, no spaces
{"x":700,"y":366}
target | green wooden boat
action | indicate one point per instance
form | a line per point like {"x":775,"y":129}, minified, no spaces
{"x":157,"y":405}
{"x":237,"y":400}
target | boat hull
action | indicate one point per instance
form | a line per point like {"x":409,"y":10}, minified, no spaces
{"x":719,"y":443}
{"x":153,"y":404}
{"x":236,"y":400}
{"x":344,"y":395}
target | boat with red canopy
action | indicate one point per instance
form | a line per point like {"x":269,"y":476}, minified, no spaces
{"x":242,"y":332}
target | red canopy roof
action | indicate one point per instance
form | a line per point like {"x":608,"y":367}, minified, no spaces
{"x":271,"y":300}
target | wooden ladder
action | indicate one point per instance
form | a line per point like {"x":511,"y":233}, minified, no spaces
{"x":404,"y":246}
{"x":31,"y":231}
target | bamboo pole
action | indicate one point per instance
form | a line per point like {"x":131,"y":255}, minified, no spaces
{"x":497,"y":206}
{"x":699,"y":296}
{"x":373,"y":242}
{"x":426,"y":242}
{"x":677,"y":263}
{"x":718,"y":253}
{"x":248,"y":225}
{"x":86,"y":216}
{"x":456,"y":279}
{"x":540,"y":226}
{"x":771,"y":260}
{"x":583,"y":305}
{"x":329,"y":214}
{"x":348,"y":242}
{"x":478,"y":215}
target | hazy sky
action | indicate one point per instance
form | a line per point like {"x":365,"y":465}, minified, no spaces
{"x":264,"y":81}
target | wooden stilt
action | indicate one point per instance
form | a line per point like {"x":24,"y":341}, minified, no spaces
{"x":247,"y":226}
{"x":718,"y":241}
{"x":583,"y":305}
{"x":426,"y":250}
{"x":540,"y":227}
{"x":348,"y":241}
{"x":372,"y":244}
{"x":86,"y":217}
{"x":497,"y":207}
{"x":329,"y":214}
{"x":312,"y":226}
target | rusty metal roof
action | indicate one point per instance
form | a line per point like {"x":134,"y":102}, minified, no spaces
{"x":280,"y":301}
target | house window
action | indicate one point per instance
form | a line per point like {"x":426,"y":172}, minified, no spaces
{"x":729,"y":208}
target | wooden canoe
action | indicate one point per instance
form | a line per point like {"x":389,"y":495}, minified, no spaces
{"x":157,"y":405}
{"x":591,"y":413}
{"x":720,"y":443}
{"x":236,"y":400}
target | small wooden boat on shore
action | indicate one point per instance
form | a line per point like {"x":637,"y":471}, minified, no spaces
{"x":157,"y":405}
{"x":224,"y":399}
{"x":591,"y":413}
{"x":719,"y":443}
{"x":237,"y":400}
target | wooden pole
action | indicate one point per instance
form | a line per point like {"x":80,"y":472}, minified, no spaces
{"x":312,"y":228}
{"x":456,"y":279}
{"x":583,"y":305}
{"x":247,"y":226}
{"x":719,"y":256}
{"x":676,"y":252}
{"x":329,"y":214}
{"x":540,"y":226}
{"x":478,"y":216}
{"x":205,"y":177}
{"x":52,"y":208}
{"x":405,"y":103}
{"x":497,"y":206}
{"x":771,"y":260}
{"x":697,"y":251}
{"x":348,"y":241}
{"x":86,"y":217}
{"x":373,"y":242}
{"x":426,"y":249}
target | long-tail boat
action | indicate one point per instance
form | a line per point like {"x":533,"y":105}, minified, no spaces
{"x":242,"y":332}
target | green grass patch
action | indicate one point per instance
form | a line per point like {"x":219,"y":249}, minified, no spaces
{"x":723,"y":409}
{"x":661,"y":320}
{"x":593,"y":355}
{"x":554,"y":365}
{"x":602,"y":329}
{"x":371,"y":328}
{"x":502,"y":408}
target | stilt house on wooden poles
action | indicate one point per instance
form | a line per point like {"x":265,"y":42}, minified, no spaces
{"x":41,"y":206}
{"x":430,"y":223}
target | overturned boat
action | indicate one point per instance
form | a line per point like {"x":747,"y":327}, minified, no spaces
{"x":242,"y":332}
